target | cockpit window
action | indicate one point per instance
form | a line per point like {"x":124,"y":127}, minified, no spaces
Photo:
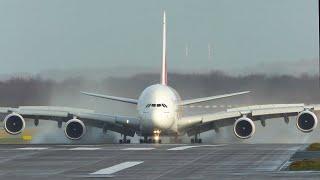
{"x":156,"y":105}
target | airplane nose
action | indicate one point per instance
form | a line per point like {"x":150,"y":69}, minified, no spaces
{"x":161,"y":120}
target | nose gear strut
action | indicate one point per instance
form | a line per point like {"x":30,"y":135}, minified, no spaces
{"x":154,"y":139}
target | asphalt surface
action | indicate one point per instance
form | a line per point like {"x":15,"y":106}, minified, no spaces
{"x":146,"y":161}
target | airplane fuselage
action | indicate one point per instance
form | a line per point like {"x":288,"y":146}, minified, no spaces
{"x":159,"y":110}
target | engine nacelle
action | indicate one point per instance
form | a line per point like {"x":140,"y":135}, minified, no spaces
{"x":306,"y":121}
{"x":14,"y":123}
{"x":244,"y":128}
{"x":74,"y":129}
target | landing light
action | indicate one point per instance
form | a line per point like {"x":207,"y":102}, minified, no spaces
{"x":156,"y":132}
{"x":156,"y":137}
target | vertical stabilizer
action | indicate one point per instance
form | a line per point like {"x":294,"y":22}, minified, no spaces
{"x":164,"y":78}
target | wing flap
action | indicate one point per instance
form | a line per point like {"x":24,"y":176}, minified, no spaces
{"x":221,"y":115}
{"x":263,"y":112}
{"x":203,"y":119}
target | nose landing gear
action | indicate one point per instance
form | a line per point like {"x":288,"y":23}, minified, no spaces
{"x":156,"y":137}
{"x":153,"y":140}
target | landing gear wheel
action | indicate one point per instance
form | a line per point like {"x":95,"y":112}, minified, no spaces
{"x":121,"y":141}
{"x":150,"y":140}
{"x":193,"y":141}
{"x":124,"y":140}
{"x":196,"y":139}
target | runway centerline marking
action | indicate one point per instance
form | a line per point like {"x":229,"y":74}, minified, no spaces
{"x":137,"y":149}
{"x":116,"y":168}
{"x":84,"y":148}
{"x":33,"y":148}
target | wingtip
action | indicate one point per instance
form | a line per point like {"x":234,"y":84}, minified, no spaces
{"x":82,"y":92}
{"x":246,"y":92}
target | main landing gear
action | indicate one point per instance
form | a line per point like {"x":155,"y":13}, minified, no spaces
{"x":124,"y":140}
{"x":196,"y":139}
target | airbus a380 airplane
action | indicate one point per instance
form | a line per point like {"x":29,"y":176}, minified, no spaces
{"x":160,"y":113}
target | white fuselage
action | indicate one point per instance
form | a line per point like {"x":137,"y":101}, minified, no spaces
{"x":159,"y":110}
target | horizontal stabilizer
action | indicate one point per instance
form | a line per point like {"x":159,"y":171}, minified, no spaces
{"x":199,"y":100}
{"x":121,"y":99}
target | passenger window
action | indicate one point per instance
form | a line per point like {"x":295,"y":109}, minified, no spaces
{"x":153,"y":105}
{"x":164,"y":105}
{"x":158,"y":105}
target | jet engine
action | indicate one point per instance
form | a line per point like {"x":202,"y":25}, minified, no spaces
{"x":14,"y":123}
{"x":244,"y":128}
{"x":74,"y":129}
{"x":306,"y":121}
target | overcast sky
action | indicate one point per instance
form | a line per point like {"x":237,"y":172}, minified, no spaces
{"x":37,"y":35}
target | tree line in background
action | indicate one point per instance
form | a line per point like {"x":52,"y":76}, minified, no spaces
{"x":265,"y":89}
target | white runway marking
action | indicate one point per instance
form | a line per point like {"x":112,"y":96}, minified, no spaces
{"x":188,"y":147}
{"x":84,"y":148}
{"x":137,"y":149}
{"x":212,"y":145}
{"x":181,"y":148}
{"x":285,"y":165}
{"x":33,"y":148}
{"x":116,"y":168}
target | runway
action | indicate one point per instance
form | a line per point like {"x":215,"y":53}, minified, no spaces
{"x":146,"y":161}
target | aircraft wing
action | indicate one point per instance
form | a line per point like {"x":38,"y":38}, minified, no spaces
{"x":120,"y":124}
{"x":214,"y":121}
